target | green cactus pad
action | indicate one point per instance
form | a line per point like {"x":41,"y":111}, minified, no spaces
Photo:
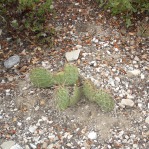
{"x":76,"y":95}
{"x":89,"y":90}
{"x":59,"y":78}
{"x":41,"y":78}
{"x":71,"y":74}
{"x":105,"y":101}
{"x":62,"y":98}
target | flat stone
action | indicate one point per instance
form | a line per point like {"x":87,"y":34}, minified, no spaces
{"x":135,"y":72}
{"x":73,"y":55}
{"x":147,"y":120}
{"x":7,"y":144}
{"x":11,"y":61}
{"x":92,"y":135}
{"x":16,"y":146}
{"x":127,"y":102}
{"x":78,"y":46}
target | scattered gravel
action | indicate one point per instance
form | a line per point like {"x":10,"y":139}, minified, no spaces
{"x":115,"y":60}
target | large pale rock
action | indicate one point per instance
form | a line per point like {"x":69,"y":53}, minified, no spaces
{"x":11,"y":61}
{"x":135,"y":72}
{"x":73,"y":55}
{"x":127,"y":102}
{"x":7,"y":144}
{"x":16,"y":146}
{"x":92,"y":135}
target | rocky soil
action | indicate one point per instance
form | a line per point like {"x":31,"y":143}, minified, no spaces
{"x":115,"y":59}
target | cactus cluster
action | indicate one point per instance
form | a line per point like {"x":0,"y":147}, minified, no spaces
{"x":67,"y":92}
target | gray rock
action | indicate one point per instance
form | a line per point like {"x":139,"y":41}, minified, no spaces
{"x":11,"y":61}
{"x":7,"y":144}
{"x":73,"y":55}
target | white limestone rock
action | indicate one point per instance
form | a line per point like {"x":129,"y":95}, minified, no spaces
{"x":127,"y":102}
{"x":73,"y":55}
{"x":7,"y":144}
{"x":92,"y":135}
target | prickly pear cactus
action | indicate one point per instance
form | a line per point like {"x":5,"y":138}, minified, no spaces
{"x":41,"y":78}
{"x":59,"y":78}
{"x":89,"y":90}
{"x":67,"y":96}
{"x":71,"y":74}
{"x":62,"y":98}
{"x":105,"y":101}
{"x":76,"y":95}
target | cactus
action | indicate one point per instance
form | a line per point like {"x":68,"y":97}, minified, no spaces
{"x":69,"y":76}
{"x":62,"y":97}
{"x":76,"y":95}
{"x":105,"y":101}
{"x":59,"y":78}
{"x":89,"y":90}
{"x":40,"y":77}
{"x":67,"y":96}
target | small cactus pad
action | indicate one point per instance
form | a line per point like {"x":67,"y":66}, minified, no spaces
{"x":62,"y":98}
{"x":76,"y":95}
{"x":41,"y":78}
{"x":59,"y":78}
{"x":89,"y":90}
{"x":71,"y":74}
{"x":105,"y":101}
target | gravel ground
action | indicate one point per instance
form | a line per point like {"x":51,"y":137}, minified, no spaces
{"x":113,"y":58}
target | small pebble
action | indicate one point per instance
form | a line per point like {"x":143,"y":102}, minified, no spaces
{"x":147,"y":120}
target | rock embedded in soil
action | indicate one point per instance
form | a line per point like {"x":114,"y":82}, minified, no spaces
{"x":7,"y":144}
{"x":135,"y":72}
{"x":73,"y":55}
{"x":16,"y":146}
{"x":127,"y":102}
{"x":11,"y":61}
{"x":92,"y":135}
{"x":147,"y":120}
